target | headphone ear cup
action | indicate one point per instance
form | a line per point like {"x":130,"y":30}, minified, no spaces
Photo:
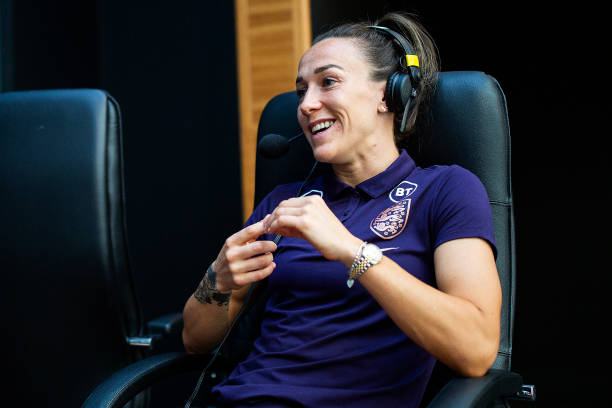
{"x":389,"y":93}
{"x":398,"y":91}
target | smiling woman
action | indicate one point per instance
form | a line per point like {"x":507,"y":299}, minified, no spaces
{"x":414,"y":53}
{"x":335,"y":86}
{"x":392,"y":265}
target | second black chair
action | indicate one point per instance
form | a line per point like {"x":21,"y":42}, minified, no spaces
{"x":73,"y":314}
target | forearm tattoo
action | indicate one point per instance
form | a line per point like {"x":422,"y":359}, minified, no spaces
{"x":206,"y":295}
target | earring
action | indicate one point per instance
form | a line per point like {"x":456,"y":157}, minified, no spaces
{"x":383,"y":108}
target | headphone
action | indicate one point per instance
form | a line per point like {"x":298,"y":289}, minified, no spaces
{"x":401,"y":85}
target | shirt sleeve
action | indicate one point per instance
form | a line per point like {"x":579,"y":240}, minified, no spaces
{"x":462,"y":209}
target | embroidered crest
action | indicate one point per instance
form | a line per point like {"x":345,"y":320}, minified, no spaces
{"x":391,"y":222}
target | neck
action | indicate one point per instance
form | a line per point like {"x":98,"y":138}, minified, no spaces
{"x":365,"y":166}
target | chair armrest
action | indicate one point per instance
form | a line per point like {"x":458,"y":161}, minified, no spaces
{"x":166,"y":324}
{"x":126,"y":383}
{"x":157,"y":330}
{"x":478,"y":392}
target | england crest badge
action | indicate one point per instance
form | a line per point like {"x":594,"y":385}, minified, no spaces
{"x":392,"y":221}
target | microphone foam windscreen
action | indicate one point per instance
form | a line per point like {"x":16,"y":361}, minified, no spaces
{"x":272,"y":146}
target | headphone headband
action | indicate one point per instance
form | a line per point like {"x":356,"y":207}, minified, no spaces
{"x":412,"y":60}
{"x":401,"y":88}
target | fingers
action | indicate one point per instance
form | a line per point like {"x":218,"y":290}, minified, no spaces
{"x":247,"y":234}
{"x":243,"y":259}
{"x":288,"y":225}
{"x":243,"y":279}
{"x":245,"y":272}
{"x":236,"y":253}
{"x":293,"y":217}
{"x":301,"y":201}
{"x":250,"y":265}
{"x":280,"y":216}
{"x":310,"y":218}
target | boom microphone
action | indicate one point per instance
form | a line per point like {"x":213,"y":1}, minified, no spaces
{"x":273,"y":146}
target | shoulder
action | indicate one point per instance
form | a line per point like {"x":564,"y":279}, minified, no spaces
{"x":454,"y":181}
{"x":450,"y":173}
{"x":461,"y":207}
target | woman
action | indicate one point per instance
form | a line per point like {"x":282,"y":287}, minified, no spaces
{"x":384,"y":267}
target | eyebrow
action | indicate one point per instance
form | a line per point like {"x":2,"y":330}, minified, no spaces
{"x":319,"y":70}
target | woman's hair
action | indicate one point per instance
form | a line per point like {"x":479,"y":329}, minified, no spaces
{"x":384,"y":58}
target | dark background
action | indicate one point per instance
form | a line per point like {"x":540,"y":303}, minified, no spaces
{"x":172,"y":67}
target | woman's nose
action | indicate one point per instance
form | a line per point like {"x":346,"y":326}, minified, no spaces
{"x":310,"y":102}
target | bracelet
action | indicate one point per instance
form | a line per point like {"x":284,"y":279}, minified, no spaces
{"x":362,"y":265}
{"x":357,"y":256}
{"x":355,"y":265}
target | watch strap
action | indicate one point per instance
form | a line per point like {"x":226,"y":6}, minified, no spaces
{"x":361,"y":264}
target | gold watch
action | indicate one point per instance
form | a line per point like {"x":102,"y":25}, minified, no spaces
{"x":370,"y":255}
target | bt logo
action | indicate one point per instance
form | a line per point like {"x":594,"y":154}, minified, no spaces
{"x":402,"y":191}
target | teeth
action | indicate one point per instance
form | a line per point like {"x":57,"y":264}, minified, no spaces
{"x":322,"y":125}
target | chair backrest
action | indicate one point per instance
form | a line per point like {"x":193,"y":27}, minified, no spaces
{"x":63,"y":246}
{"x":468,"y":126}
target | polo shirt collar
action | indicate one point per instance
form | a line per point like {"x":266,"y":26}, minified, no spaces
{"x":375,"y":186}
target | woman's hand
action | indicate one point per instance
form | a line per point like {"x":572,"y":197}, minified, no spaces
{"x":309,"y":218}
{"x":243,"y":260}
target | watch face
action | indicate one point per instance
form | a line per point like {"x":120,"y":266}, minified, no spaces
{"x":373,"y":253}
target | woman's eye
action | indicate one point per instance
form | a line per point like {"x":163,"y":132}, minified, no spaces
{"x":300,"y":93}
{"x":328,"y":81}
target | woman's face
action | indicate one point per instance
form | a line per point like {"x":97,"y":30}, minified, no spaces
{"x":340,"y":106}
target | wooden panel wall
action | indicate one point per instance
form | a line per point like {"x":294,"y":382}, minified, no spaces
{"x":271,"y":37}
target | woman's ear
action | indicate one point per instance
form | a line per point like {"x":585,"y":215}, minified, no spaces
{"x":382,"y":103}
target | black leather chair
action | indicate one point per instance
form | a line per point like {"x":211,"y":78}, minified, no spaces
{"x":73,"y":313}
{"x":469,"y":127}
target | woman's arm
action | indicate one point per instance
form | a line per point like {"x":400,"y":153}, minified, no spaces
{"x":205,"y":323}
{"x":208,"y":313}
{"x":457,"y":323}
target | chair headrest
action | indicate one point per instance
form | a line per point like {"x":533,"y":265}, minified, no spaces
{"x":468,"y":126}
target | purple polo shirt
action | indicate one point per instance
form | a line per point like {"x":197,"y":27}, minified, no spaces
{"x":323,"y":344}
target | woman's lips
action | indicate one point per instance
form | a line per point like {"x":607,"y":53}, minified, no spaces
{"x":320,"y":124}
{"x":317,"y":124}
{"x":323,"y":131}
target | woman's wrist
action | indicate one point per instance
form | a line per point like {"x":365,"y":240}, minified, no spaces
{"x":206,"y":295}
{"x":207,"y":291}
{"x":349,"y":251}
